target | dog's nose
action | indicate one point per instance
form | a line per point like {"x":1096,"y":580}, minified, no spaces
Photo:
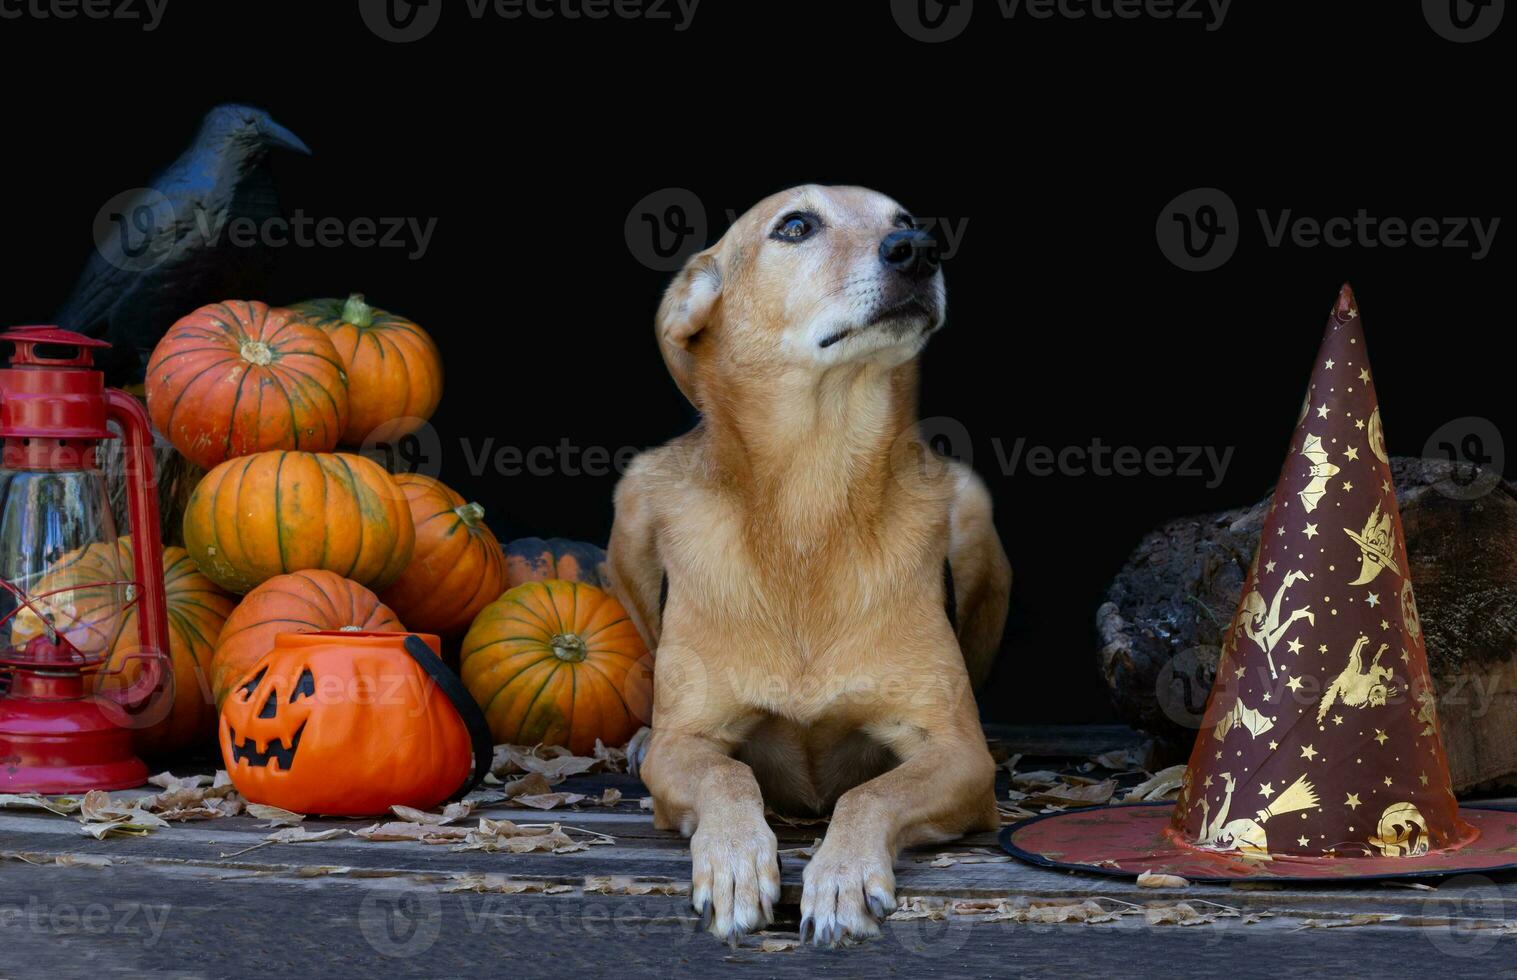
{"x":911,"y":252}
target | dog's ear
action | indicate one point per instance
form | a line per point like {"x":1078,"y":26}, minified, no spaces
{"x":689,"y":305}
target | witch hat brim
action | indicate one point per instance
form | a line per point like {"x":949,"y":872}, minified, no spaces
{"x":1127,"y":840}
{"x":1318,"y":756}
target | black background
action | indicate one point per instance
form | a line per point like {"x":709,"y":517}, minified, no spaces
{"x":1059,"y":142}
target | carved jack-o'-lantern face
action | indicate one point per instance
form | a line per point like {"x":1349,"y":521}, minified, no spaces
{"x":273,"y":736}
{"x":343,"y":724}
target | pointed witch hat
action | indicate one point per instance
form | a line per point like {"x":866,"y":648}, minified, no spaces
{"x":1319,"y":754}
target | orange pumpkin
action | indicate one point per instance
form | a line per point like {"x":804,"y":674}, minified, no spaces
{"x":394,"y":369}
{"x":197,"y":610}
{"x":457,"y":568}
{"x":345,"y":724}
{"x":309,"y":601}
{"x":558,"y":663}
{"x":237,"y":377}
{"x":259,"y":516}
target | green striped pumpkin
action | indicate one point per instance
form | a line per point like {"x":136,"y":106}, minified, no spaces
{"x":558,"y":663}
{"x":258,"y":516}
{"x":394,"y":369}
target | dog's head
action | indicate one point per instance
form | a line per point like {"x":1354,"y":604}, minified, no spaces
{"x":809,"y":279}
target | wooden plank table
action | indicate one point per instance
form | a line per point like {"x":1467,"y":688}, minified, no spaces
{"x":203,"y":899}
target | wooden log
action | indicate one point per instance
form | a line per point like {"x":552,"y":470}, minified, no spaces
{"x":1160,"y":630}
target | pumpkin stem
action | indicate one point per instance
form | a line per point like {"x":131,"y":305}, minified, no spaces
{"x":471,"y":514}
{"x":569,"y":648}
{"x":357,"y":312}
{"x":256,"y":352}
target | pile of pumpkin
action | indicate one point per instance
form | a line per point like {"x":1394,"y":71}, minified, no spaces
{"x":314,"y":539}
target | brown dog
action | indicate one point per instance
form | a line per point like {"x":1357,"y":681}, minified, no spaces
{"x":804,"y":654}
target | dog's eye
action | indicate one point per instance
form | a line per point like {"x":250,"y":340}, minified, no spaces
{"x":796,"y":227}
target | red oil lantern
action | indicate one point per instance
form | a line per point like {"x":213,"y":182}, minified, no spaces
{"x":61,"y":730}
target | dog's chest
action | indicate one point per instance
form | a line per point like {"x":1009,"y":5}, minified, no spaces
{"x":806,"y":587}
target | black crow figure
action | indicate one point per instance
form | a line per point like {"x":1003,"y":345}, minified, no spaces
{"x":185,"y":240}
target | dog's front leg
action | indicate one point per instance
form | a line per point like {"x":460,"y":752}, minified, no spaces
{"x":714,"y":800}
{"x":944,"y":788}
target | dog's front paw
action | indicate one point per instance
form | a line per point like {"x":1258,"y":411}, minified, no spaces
{"x":847,"y":892}
{"x":735,"y":875}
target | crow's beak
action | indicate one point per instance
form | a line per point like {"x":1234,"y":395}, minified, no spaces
{"x":276,"y":135}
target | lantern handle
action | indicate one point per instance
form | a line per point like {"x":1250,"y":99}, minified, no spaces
{"x":147,"y":554}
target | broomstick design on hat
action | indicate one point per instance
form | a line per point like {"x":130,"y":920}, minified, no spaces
{"x":1247,"y":835}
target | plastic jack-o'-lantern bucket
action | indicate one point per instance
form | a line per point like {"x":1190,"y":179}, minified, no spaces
{"x":352,"y":723}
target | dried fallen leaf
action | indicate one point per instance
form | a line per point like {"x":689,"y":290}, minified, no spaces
{"x":119,"y":828}
{"x":777,"y":945}
{"x":169,"y":781}
{"x":450,"y":813}
{"x":1162,"y":785}
{"x":1358,"y":919}
{"x":613,"y":760}
{"x":549,"y":801}
{"x":627,"y":885}
{"x":61,"y":805}
{"x":553,"y":761}
{"x":63,"y":860}
{"x":295,"y":835}
{"x":917,"y":908}
{"x":1179,"y":914}
{"x":1149,"y":879}
{"x":502,"y":885}
{"x":427,"y":833}
{"x":1093,"y":794}
{"x":1122,"y":760}
{"x":276,"y":816}
{"x":531,"y":784}
{"x":321,"y":870}
{"x":807,"y":852}
{"x":610,"y":796}
{"x":976,"y":855}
